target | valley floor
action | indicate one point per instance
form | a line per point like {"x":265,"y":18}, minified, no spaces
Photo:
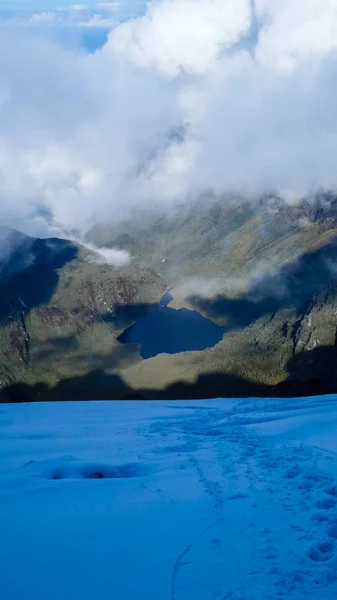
{"x":206,"y":500}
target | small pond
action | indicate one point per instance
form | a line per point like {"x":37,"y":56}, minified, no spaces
{"x":165,"y":330}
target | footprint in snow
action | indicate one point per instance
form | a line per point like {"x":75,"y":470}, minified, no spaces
{"x":322,"y":551}
{"x":292,"y":472}
{"x":332,"y":491}
{"x":332,"y":531}
{"x":237,"y":496}
{"x":326,"y":503}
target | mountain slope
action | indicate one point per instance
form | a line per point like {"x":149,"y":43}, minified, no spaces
{"x":265,"y":272}
{"x":60,"y":311}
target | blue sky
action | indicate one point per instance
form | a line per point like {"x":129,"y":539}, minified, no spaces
{"x":80,"y":23}
{"x":28,"y":6}
{"x":121,"y":9}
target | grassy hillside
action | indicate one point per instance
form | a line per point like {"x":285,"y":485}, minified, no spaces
{"x":60,"y":315}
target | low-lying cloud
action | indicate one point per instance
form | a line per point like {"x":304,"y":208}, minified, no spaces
{"x":233,"y":95}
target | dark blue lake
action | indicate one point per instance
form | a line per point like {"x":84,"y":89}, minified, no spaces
{"x":165,"y":330}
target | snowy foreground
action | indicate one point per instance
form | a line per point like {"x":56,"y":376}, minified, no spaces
{"x":198,"y":500}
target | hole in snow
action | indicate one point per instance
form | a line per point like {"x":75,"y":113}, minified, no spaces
{"x":95,"y":471}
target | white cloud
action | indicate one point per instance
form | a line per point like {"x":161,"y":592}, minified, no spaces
{"x":182,"y":35}
{"x":109,"y":6}
{"x":97,"y":21}
{"x":174,"y":103}
{"x":78,"y":8}
{"x":78,"y":16}
{"x":293,"y":31}
{"x":44,"y":18}
{"x":110,"y":256}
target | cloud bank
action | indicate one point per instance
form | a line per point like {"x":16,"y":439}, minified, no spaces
{"x":231,"y":95}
